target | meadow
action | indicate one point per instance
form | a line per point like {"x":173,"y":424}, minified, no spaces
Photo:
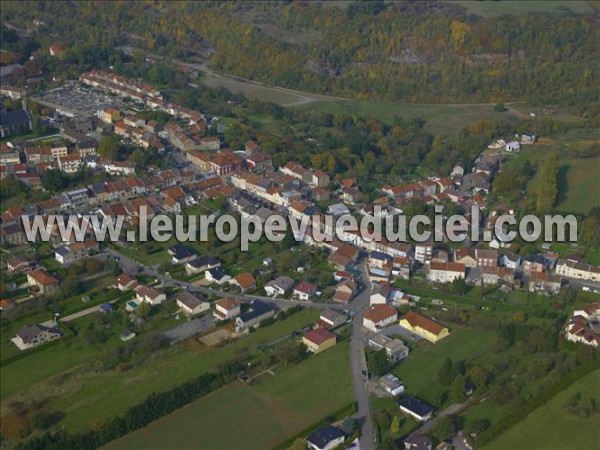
{"x":440,"y":118}
{"x":578,"y":185}
{"x":551,"y":427}
{"x":497,"y":8}
{"x":419,"y":372}
{"x":281,"y":406}
{"x":88,"y":396}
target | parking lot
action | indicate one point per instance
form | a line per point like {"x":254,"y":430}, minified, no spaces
{"x":74,"y":101}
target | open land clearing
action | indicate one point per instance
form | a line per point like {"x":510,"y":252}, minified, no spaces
{"x":551,"y":427}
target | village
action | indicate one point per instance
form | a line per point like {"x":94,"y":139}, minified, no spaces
{"x":230,"y":295}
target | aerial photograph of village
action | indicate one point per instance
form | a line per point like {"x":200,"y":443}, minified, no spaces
{"x":302,"y":224}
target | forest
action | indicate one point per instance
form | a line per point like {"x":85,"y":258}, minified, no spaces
{"x":408,"y":51}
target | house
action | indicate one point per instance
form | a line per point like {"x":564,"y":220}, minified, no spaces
{"x":391,"y":384}
{"x":344,"y":256}
{"x":181,"y":253}
{"x":578,"y":270}
{"x":545,"y":283}
{"x":486,"y":258}
{"x":380,"y":294}
{"x":126,"y":335}
{"x":489,"y":275}
{"x":394,"y":349}
{"x":258,"y":312}
{"x":344,"y":291}
{"x":150,"y":295}
{"x":445,"y":272}
{"x":226,"y":308}
{"x":423,"y":252}
{"x":125,"y":282}
{"x":12,"y":122}
{"x":12,"y":233}
{"x":31,"y":336}
{"x":202,"y":264}
{"x":75,"y":251}
{"x":110,"y":115}
{"x":416,"y":408}
{"x":418,"y":441}
{"x":583,"y":326}
{"x":217,"y":275}
{"x":245,"y":281}
{"x":279,"y":286}
{"x":401,"y":267}
{"x":379,"y":316}
{"x":318,"y":340}
{"x":106,"y":308}
{"x":424,"y":326}
{"x":465,"y":255}
{"x":304,"y":290}
{"x":339,"y":209}
{"x":319,"y":179}
{"x":534,"y":263}
{"x":528,"y":138}
{"x":17,"y":264}
{"x":42,"y":280}
{"x":190,"y":304}
{"x":330,"y":318}
{"x":510,"y":261}
{"x":512,"y":147}
{"x":326,"y":438}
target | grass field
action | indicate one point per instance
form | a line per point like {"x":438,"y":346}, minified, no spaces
{"x":280,"y":407}
{"x":495,"y":8}
{"x":419,"y":372}
{"x":89,"y":396}
{"x":550,"y":427}
{"x":442,"y":119}
{"x":578,"y":185}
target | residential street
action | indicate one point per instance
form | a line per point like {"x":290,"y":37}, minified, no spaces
{"x":358,"y":365}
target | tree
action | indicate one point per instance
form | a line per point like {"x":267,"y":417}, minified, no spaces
{"x":457,"y":389}
{"x":447,"y":372}
{"x":378,"y":362}
{"x":479,"y":376}
{"x":519,"y":317}
{"x":395,"y":427}
{"x":54,"y":180}
{"x":109,"y":147}
{"x":445,"y":428}
{"x":143,"y":310}
{"x":478,"y":426}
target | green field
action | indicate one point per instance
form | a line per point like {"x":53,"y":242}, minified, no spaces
{"x":88,"y":396}
{"x":578,"y":185}
{"x":441,"y":119}
{"x":550,"y":427}
{"x":496,"y":8}
{"x":419,"y":372}
{"x":280,"y":407}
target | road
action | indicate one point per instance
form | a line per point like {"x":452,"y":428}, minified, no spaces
{"x":77,"y":315}
{"x":358,"y":306}
{"x":131,"y":266}
{"x":358,"y":366}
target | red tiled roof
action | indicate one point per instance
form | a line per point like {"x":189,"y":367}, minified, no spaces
{"x":423,"y":322}
{"x":319,"y":336}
